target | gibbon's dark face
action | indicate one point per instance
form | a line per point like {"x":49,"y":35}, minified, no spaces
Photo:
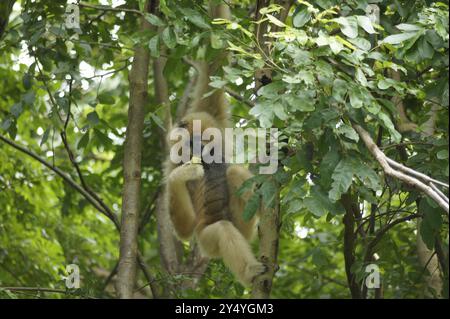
{"x":206,"y":121}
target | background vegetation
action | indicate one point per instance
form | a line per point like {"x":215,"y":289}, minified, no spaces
{"x":332,"y":76}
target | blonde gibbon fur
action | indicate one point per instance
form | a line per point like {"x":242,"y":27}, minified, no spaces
{"x":210,"y":209}
{"x":201,"y":198}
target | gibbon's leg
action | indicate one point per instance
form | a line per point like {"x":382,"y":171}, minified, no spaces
{"x":222,"y":239}
{"x":181,"y":208}
{"x":236,"y":175}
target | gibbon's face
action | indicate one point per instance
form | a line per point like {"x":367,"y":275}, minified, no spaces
{"x":207,"y":121}
{"x":187,"y":122}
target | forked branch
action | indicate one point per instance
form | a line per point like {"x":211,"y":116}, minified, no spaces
{"x":403,"y":173}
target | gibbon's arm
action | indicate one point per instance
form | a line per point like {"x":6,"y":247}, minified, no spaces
{"x":180,"y":204}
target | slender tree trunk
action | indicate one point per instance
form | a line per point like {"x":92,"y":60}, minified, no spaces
{"x":427,"y":257}
{"x":349,"y":244}
{"x":268,"y":232}
{"x":138,"y":78}
{"x":269,"y":224}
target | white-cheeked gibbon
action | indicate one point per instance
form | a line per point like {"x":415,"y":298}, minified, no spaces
{"x":202,"y":199}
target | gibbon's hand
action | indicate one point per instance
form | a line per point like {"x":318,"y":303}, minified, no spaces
{"x":189,"y":171}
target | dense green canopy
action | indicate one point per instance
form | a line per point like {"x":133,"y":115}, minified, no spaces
{"x":337,"y":71}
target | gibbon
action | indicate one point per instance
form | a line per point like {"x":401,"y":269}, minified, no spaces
{"x":202,"y":199}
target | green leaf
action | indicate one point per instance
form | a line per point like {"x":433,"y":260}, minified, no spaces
{"x":319,"y":204}
{"x":360,"y":77}
{"x":251,"y":207}
{"x":271,"y":90}
{"x":102,"y":137}
{"x":16,"y":109}
{"x":301,"y":18}
{"x":348,"y":132}
{"x":386,"y":120}
{"x":268,"y":192}
{"x":28,"y":98}
{"x":154,"y":20}
{"x":356,"y":97}
{"x":106,"y":98}
{"x":365,"y":23}
{"x":45,"y":136}
{"x":398,"y":38}
{"x":264,"y":113}
{"x":27,"y":81}
{"x":169,"y":38}
{"x":408,"y":27}
{"x":319,"y":258}
{"x":158,"y":121}
{"x":349,"y":26}
{"x":339,"y":89}
{"x":424,"y":49}
{"x":153,"y":45}
{"x":275,"y":21}
{"x":299,"y":103}
{"x":93,"y":118}
{"x":431,"y":222}
{"x":442,"y":155}
{"x":361,"y":43}
{"x":83,"y":142}
{"x":195,"y":18}
{"x":343,"y":176}
{"x":279,"y":111}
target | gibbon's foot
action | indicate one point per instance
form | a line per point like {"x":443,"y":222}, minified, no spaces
{"x":253,"y":270}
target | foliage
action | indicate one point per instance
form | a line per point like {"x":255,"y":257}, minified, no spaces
{"x":332,"y":66}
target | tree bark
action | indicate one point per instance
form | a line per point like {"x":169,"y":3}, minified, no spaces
{"x":138,"y":78}
{"x":427,"y":258}
{"x":268,"y":232}
{"x":349,"y":244}
{"x":269,"y":224}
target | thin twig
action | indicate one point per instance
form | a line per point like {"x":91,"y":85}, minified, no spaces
{"x":62,"y":174}
{"x":38,"y":289}
{"x":108,"y":8}
{"x":239,"y":97}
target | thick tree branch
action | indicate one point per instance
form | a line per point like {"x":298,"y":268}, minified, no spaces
{"x":385,"y":162}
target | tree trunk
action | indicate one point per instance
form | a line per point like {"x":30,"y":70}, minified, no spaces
{"x":269,"y":224}
{"x":138,"y":78}
{"x":268,"y":232}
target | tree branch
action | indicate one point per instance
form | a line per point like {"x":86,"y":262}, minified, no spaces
{"x":138,"y":78}
{"x":349,"y":245}
{"x":384,"y":161}
{"x":38,"y":289}
{"x":64,"y":176}
{"x":108,"y":8}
